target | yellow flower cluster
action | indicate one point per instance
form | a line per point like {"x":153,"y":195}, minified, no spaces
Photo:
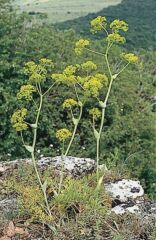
{"x":80,"y":45}
{"x":63,"y":134}
{"x":47,"y":63}
{"x":26,"y":92}
{"x":37,"y":77}
{"x":17,"y":119}
{"x":30,"y":67}
{"x":38,"y":72}
{"x":67,"y":76}
{"x":93,"y":84}
{"x":88,"y":66}
{"x":68,"y":103}
{"x":98,"y":24}
{"x":117,"y":25}
{"x":95,"y":112}
{"x":130,"y":57}
{"x":102,"y":78}
{"x":115,"y":37}
{"x":69,"y":70}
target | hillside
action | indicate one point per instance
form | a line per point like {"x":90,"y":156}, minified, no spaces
{"x":62,"y":10}
{"x":139,"y":14}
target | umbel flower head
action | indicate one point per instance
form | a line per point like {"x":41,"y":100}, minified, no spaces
{"x":93,"y":84}
{"x":63,"y":134}
{"x":95,"y":113}
{"x":88,"y":66}
{"x":37,"y":72}
{"x":30,"y":67}
{"x":80,"y":45}
{"x":47,"y":63}
{"x":98,"y":24}
{"x":67,"y":77}
{"x":69,"y":70}
{"x":68,"y":103}
{"x":130,"y":57}
{"x":17,"y":119}
{"x":115,"y":37}
{"x":26,"y":92}
{"x":117,"y":25}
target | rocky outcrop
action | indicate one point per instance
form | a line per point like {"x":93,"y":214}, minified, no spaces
{"x":128,"y":197}
{"x":125,"y":190}
{"x":73,"y":165}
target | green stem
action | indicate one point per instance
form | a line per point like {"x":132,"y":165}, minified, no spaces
{"x":97,"y":157}
{"x":98,"y":142}
{"x":107,"y":62}
{"x":76,"y":93}
{"x":37,"y":119}
{"x":109,"y":90}
{"x":62,"y":169}
{"x":123,"y":68}
{"x":74,"y":131}
{"x":40,"y":182}
{"x":95,"y":52}
{"x":33,"y":156}
{"x":45,"y":93}
{"x":22,"y":139}
{"x":68,"y":148}
{"x":103,"y":110}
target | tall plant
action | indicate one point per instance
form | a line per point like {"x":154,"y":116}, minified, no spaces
{"x":85,"y":82}
{"x":112,"y":36}
{"x":33,"y":92}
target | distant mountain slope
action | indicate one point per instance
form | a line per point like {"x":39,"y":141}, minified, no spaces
{"x":62,"y":10}
{"x":140,"y":15}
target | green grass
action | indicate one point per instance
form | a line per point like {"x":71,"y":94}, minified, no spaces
{"x":63,"y":10}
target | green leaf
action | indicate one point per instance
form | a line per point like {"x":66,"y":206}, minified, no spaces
{"x":99,"y":183}
{"x":114,"y":76}
{"x":80,"y":103}
{"x":102,"y":104}
{"x":96,"y":134}
{"x":118,"y":237}
{"x":52,"y":228}
{"x":44,"y":186}
{"x":29,"y":148}
{"x":75,"y":121}
{"x":33,"y":125}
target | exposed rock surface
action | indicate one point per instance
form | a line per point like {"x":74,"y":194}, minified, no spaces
{"x":73,"y":165}
{"x":128,"y":197}
{"x":125,"y":190}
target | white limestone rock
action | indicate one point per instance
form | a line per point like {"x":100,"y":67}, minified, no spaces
{"x":123,"y":208}
{"x":74,"y":165}
{"x":125,"y":190}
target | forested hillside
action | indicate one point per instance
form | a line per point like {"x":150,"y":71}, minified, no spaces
{"x":129,"y":134}
{"x":140,"y":15}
